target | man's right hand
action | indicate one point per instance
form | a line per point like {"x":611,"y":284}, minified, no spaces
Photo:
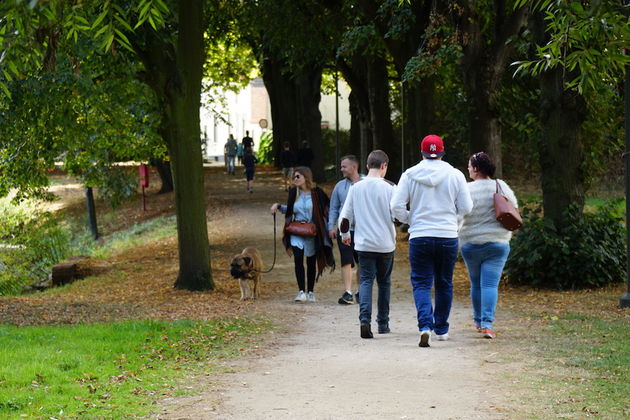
{"x":332,"y":233}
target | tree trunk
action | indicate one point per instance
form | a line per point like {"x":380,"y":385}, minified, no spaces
{"x":282,"y":97}
{"x":381,"y":115}
{"x":186,"y":158}
{"x":486,"y":54}
{"x":561,"y":146}
{"x":163,"y":169}
{"x":355,"y":127}
{"x":310,"y":119}
{"x":174,"y":73}
{"x":417,"y":98}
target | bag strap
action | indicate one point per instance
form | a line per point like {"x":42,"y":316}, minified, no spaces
{"x":499,"y":189}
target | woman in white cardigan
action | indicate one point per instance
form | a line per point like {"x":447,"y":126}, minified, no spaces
{"x":485,"y":244}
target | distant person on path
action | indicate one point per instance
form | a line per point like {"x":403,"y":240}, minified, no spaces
{"x":349,"y":167}
{"x":239,"y":153}
{"x":247,"y":141}
{"x":307,"y":203}
{"x":485,"y":244}
{"x":305,"y":155}
{"x":437,"y":194}
{"x":368,"y":206}
{"x":231,"y":148}
{"x":288,"y":162}
{"x":249,"y":161}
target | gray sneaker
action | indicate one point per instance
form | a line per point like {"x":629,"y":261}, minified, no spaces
{"x":301,"y":296}
{"x":310,"y":297}
{"x":346,"y":299}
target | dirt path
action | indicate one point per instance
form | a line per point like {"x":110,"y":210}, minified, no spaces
{"x":321,"y":368}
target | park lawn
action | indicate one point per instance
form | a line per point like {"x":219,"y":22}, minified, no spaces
{"x":569,"y":353}
{"x":112,"y":370}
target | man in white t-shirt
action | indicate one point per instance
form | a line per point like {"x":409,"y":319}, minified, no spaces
{"x":367,"y":204}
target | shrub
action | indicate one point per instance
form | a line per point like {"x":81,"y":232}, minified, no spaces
{"x":264,"y":154}
{"x":31,"y":242}
{"x":589,"y":252}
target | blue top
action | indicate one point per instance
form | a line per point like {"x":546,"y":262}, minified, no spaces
{"x":337,"y":201}
{"x":302,"y":212}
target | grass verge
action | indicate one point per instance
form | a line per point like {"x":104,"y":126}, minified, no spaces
{"x":568,"y":365}
{"x":115,"y":370}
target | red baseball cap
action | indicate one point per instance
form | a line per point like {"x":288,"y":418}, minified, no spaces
{"x":432,"y":146}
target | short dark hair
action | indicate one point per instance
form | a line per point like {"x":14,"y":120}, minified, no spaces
{"x":351,"y":158}
{"x":287,"y":144}
{"x":376,"y":158}
{"x":482,"y":163}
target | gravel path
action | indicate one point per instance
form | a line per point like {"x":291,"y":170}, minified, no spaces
{"x":322,"y":369}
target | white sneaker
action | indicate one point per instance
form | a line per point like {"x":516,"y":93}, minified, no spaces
{"x":425,"y":339}
{"x":310,"y":297}
{"x":442,"y":337}
{"x":301,"y":296}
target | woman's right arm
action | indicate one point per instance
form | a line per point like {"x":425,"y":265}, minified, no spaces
{"x":277,"y":206}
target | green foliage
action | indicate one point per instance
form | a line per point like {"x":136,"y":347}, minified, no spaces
{"x":85,"y":124}
{"x":585,"y":37}
{"x":329,"y":142}
{"x":590,"y":251}
{"x":31,"y":242}
{"x":265,"y":154}
{"x":109,"y":370}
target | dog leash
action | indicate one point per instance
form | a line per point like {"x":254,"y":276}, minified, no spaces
{"x":274,"y":248}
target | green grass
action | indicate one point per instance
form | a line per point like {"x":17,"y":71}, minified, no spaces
{"x":141,"y":233}
{"x":110,"y":370}
{"x":577,"y":368}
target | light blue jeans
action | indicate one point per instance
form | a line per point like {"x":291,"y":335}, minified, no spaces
{"x":485,"y":264}
{"x":230,"y":164}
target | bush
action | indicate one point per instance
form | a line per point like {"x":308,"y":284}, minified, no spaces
{"x":264,"y":154}
{"x":589,"y":252}
{"x":31,"y":243}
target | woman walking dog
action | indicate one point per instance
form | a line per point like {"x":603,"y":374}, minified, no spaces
{"x":305,"y":233}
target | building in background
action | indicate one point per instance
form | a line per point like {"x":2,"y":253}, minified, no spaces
{"x":243,"y":111}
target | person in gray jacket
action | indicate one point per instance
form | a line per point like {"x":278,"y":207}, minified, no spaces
{"x":437,"y":194}
{"x":350,"y":170}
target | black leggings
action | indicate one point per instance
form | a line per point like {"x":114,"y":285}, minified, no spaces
{"x":298,"y":258}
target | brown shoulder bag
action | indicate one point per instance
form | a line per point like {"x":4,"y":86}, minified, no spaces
{"x":505,"y":211}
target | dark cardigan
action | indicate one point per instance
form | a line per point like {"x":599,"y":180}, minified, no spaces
{"x":323,"y":244}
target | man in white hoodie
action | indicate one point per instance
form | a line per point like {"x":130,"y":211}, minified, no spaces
{"x":437,"y":195}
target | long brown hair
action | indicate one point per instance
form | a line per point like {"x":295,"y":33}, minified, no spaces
{"x":305,"y":171}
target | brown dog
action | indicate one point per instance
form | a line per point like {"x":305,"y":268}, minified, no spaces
{"x":246,"y":267}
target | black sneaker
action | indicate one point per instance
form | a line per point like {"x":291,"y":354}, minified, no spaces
{"x":346,"y":299}
{"x":384,"y":329}
{"x":366,"y":331}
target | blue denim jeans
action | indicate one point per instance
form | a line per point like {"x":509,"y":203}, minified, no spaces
{"x":230,"y":164}
{"x":433,"y":260}
{"x":375,"y":265}
{"x":485,"y":264}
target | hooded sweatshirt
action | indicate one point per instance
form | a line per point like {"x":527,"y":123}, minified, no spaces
{"x":437,"y":195}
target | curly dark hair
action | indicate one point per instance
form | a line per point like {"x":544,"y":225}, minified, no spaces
{"x":482,"y":163}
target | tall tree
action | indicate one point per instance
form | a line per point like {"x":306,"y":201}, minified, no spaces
{"x":173,"y":42}
{"x":486,"y":32}
{"x":578,"y":51}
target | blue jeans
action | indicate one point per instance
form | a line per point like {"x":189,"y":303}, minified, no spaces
{"x":433,"y":260}
{"x":375,"y":265}
{"x":485,"y":264}
{"x":230,"y":164}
